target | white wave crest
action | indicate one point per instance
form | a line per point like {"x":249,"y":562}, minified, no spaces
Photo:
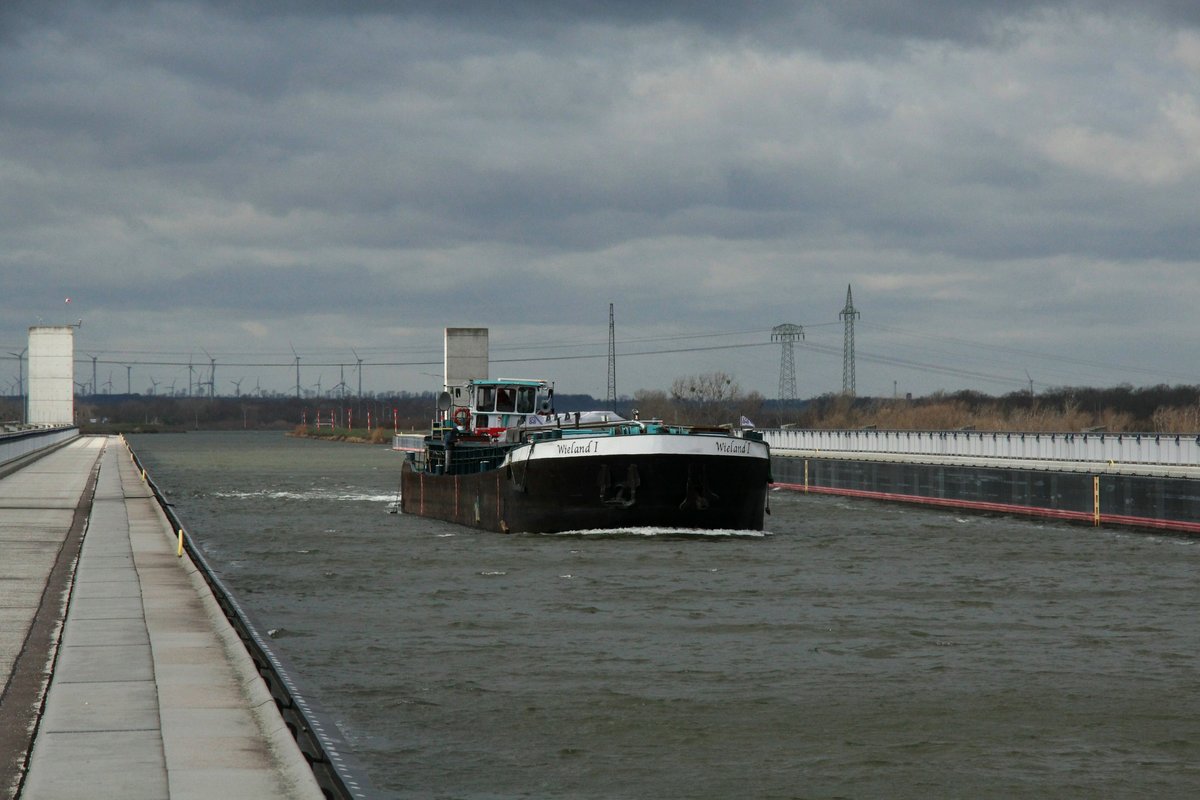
{"x":675,"y":532}
{"x":309,"y":495}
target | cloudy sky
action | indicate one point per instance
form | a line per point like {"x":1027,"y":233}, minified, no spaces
{"x":1011,"y":188}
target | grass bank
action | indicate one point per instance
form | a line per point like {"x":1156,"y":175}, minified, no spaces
{"x":354,"y":435}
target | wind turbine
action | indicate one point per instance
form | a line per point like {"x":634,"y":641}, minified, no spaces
{"x":297,"y":355}
{"x":359,"y":359}
{"x":237,"y":385}
{"x":20,"y":371}
{"x":212,"y":374}
{"x":95,"y":383}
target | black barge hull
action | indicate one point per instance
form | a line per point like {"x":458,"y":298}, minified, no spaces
{"x":599,"y":492}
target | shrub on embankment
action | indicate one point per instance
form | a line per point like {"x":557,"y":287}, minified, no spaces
{"x":1159,"y":409}
{"x":357,"y":435}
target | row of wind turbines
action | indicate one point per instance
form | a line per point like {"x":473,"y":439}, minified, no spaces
{"x":199,"y":386}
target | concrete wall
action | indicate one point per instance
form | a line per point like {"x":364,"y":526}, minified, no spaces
{"x":1003,"y":486}
{"x":51,"y":375}
{"x":18,"y":445}
{"x":466,"y":354}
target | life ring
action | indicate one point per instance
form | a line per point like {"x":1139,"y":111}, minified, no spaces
{"x":462,"y":416}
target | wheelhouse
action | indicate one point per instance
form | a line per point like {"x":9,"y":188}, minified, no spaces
{"x":493,"y":405}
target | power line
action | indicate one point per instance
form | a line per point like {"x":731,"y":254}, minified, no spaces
{"x":560,"y":351}
{"x":175,"y":358}
{"x":1107,"y":366}
{"x":825,"y":349}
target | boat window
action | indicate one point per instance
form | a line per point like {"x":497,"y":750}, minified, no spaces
{"x":526,"y":397}
{"x":481,"y":421}
{"x":486,"y":398}
{"x":505,"y":400}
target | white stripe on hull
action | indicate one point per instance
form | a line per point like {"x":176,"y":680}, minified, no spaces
{"x":639,"y":445}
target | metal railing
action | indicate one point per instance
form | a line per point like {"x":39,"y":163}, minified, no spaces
{"x":1181,"y":450}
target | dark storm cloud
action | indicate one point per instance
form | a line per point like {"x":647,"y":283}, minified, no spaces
{"x":275,"y":114}
{"x":778,"y":21}
{"x":847,"y":25}
{"x":429,"y":163}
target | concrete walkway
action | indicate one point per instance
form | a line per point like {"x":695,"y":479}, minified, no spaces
{"x":152,"y":694}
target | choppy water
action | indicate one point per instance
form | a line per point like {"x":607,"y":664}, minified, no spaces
{"x":857,"y":650}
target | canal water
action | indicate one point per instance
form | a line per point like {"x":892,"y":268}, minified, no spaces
{"x":854,"y":650}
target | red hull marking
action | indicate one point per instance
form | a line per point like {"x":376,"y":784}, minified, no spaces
{"x":1146,"y":522}
{"x":1002,"y":508}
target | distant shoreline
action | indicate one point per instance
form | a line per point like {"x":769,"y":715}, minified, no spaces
{"x":378,"y":436}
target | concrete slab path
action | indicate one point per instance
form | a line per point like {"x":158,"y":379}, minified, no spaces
{"x":152,"y":694}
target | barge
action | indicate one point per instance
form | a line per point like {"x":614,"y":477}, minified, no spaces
{"x":499,"y":458}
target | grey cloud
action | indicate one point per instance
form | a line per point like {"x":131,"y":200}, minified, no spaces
{"x":849,"y":28}
{"x":450,"y":162}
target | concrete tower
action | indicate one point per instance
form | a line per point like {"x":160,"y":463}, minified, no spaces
{"x":51,"y":375}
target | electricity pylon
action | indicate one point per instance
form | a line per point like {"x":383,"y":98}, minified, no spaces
{"x":849,"y":314}
{"x":786,"y":335}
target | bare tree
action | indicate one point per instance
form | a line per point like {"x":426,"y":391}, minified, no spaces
{"x":654,"y":404}
{"x":707,"y":399}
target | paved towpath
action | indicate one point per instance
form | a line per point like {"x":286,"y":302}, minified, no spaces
{"x":150,"y":694}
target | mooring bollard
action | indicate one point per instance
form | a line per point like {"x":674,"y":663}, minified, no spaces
{"x":179,"y":551}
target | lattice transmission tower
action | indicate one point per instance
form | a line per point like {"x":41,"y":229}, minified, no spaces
{"x":612,"y":360}
{"x":786,"y":335}
{"x":849,"y":314}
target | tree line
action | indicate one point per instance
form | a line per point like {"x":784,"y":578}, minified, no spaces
{"x":713,"y":398}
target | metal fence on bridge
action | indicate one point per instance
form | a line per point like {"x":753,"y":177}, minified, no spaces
{"x":1121,"y":448}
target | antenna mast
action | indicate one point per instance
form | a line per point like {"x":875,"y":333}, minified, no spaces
{"x":612,"y":360}
{"x":849,"y":314}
